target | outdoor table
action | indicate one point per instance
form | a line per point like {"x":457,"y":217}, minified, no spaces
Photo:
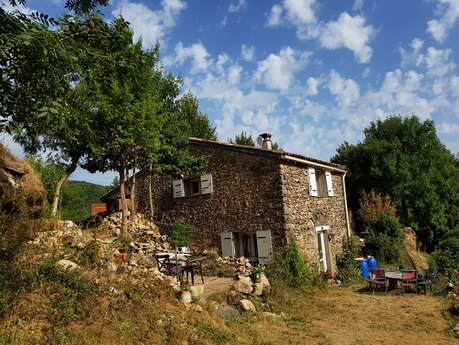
{"x":393,"y":277}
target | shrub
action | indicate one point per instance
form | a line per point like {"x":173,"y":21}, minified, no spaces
{"x":287,"y":267}
{"x":90,"y":255}
{"x":348,"y":269}
{"x":373,"y":205}
{"x":445,"y":258}
{"x":384,"y":239}
{"x":181,"y":234}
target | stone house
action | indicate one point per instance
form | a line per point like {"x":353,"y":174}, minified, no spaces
{"x":250,"y":200}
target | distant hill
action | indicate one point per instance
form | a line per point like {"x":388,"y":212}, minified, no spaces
{"x":77,"y":197}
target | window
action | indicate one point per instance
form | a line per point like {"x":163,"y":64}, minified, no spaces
{"x":321,"y":183}
{"x":254,"y":246}
{"x":192,"y":187}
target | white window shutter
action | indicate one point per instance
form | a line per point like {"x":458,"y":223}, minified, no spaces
{"x":264,"y":245}
{"x":207,"y":186}
{"x":312,"y":182}
{"x":178,"y":188}
{"x":227,"y":244}
{"x":328,"y":178}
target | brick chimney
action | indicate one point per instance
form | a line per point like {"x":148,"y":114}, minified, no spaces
{"x":267,"y":143}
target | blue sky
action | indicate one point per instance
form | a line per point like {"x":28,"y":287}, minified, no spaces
{"x":313,"y":73}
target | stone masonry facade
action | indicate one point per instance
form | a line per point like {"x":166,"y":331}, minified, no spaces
{"x":253,"y":189}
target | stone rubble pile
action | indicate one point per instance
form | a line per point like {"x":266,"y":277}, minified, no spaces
{"x":145,"y":234}
{"x":245,"y":289}
{"x":240,"y":266}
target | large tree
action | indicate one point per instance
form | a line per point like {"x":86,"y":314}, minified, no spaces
{"x":404,"y":158}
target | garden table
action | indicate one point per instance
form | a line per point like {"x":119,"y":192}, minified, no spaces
{"x":393,"y":277}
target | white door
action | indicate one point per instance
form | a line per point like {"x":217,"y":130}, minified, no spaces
{"x":322,"y":246}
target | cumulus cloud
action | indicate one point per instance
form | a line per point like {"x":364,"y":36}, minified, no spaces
{"x":150,"y":25}
{"x":247,"y":52}
{"x":348,"y":32}
{"x":277,"y":71}
{"x":275,"y":16}
{"x":312,"y":86}
{"x":237,"y":6}
{"x":197,"y":53}
{"x":346,"y":91}
{"x":448,"y":14}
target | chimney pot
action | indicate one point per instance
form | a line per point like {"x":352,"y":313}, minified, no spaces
{"x":267,"y":142}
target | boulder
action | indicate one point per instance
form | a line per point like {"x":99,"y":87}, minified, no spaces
{"x":67,"y":265}
{"x":456,"y":330}
{"x":244,"y":285}
{"x":246,"y":305}
{"x":234,"y":297}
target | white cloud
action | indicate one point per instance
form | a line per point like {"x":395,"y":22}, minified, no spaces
{"x":346,"y":91}
{"x":150,"y":25}
{"x":448,"y":128}
{"x":300,"y":12}
{"x":275,"y":16}
{"x":237,"y":6}
{"x":277,"y":71}
{"x":297,"y":12}
{"x":348,"y":32}
{"x":196,"y":52}
{"x":312,"y":86}
{"x":247,"y":52}
{"x":449,"y":13}
{"x":438,"y":61}
{"x":357,"y":6}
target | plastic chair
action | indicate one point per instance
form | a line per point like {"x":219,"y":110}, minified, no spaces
{"x":378,"y":279}
{"x":409,"y":280}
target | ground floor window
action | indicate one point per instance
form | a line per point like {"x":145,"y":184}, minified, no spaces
{"x":256,"y":246}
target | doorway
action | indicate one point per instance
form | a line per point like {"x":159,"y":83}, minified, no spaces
{"x":323,"y":248}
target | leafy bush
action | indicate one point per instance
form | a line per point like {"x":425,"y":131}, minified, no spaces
{"x":373,"y":205}
{"x":90,"y":255}
{"x":348,"y":270}
{"x":384,"y":239}
{"x":287,"y":267}
{"x":445,"y":258}
{"x":181,"y":234}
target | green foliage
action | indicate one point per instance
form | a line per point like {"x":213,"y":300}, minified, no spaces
{"x":90,"y":256}
{"x":288,"y":268}
{"x":404,"y":158}
{"x":181,"y":234}
{"x":125,"y":242}
{"x":348,"y":270}
{"x":243,"y":138}
{"x":77,"y":197}
{"x":197,"y":121}
{"x":384,"y":239}
{"x":445,"y":258}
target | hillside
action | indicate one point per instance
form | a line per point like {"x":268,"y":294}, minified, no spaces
{"x":77,"y":197}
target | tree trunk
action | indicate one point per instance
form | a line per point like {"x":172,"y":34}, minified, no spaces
{"x":150,"y":194}
{"x":132,"y":197}
{"x":60,"y":184}
{"x":122,"y":174}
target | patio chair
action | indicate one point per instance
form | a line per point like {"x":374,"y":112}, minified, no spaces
{"x":425,"y":281}
{"x":409,"y":280}
{"x":164,"y":265}
{"x":194,"y":265}
{"x":378,"y":280}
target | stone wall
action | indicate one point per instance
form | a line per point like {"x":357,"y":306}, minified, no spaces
{"x":247,"y":197}
{"x":303,"y":212}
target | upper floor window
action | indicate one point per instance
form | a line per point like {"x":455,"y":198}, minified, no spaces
{"x":192,"y":186}
{"x":320,"y":183}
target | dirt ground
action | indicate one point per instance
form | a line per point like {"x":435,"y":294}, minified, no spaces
{"x":350,"y":316}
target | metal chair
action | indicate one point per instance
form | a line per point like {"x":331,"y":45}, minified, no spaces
{"x":378,"y":280}
{"x":165,"y":266}
{"x":425,"y":281}
{"x":409,"y":280}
